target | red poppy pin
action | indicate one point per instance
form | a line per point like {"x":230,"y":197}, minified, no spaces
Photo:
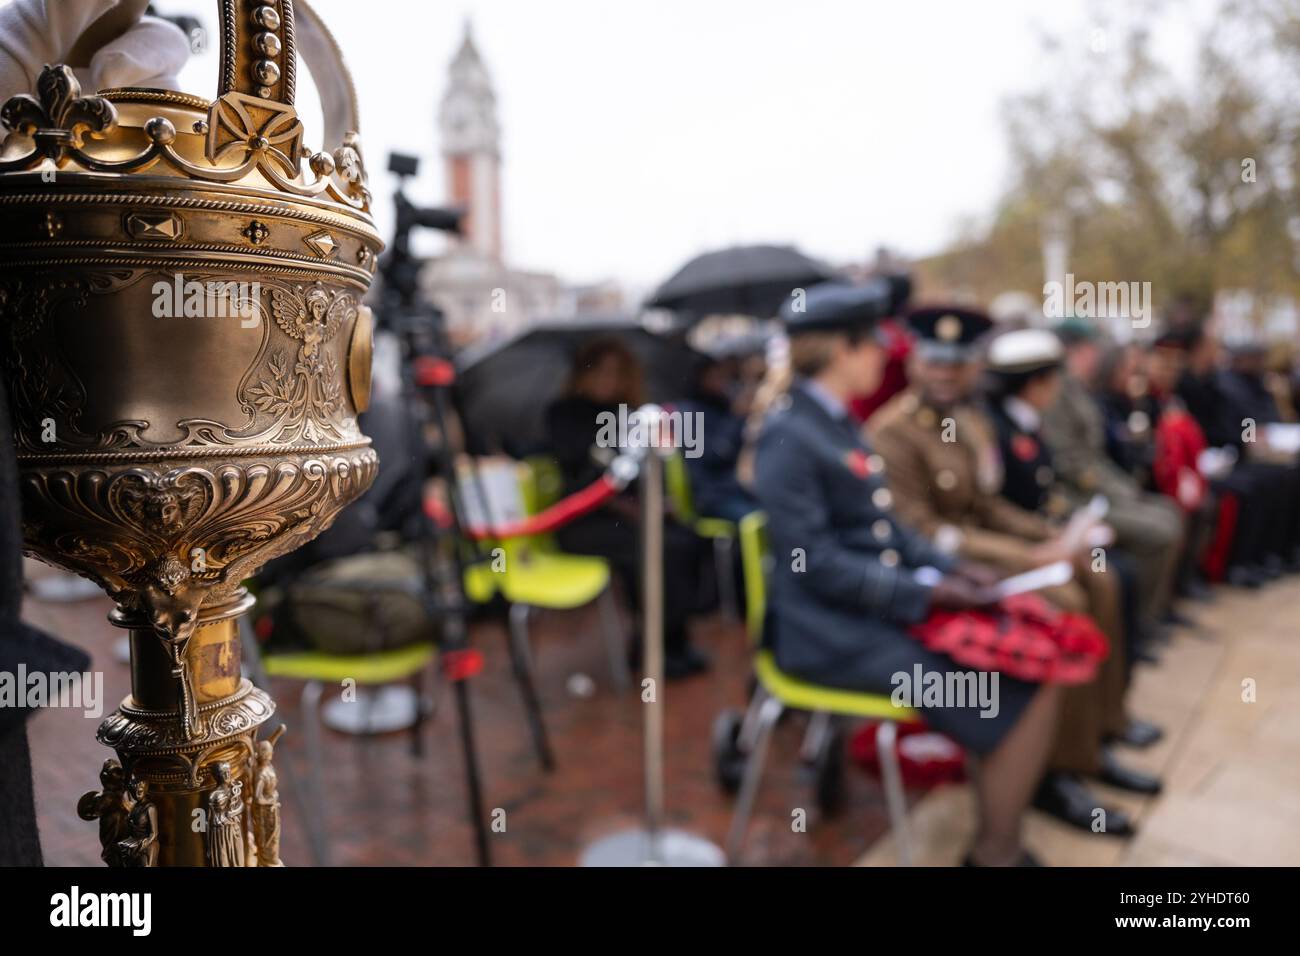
{"x":858,"y":462}
{"x":1024,"y":447}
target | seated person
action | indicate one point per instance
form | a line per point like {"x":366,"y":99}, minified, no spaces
{"x":1250,"y":405}
{"x":1146,"y":525}
{"x":604,"y":375}
{"x":715,"y":487}
{"x":1128,"y":411}
{"x":846,"y":585}
{"x":943,"y":468}
{"x":1178,"y":445}
{"x":1251,"y":488}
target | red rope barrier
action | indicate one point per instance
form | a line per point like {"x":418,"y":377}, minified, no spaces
{"x":562,"y":512}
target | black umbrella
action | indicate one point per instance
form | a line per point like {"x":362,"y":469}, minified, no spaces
{"x":504,"y":389}
{"x":742,"y":280}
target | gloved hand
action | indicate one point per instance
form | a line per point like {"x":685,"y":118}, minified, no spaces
{"x":36,"y":32}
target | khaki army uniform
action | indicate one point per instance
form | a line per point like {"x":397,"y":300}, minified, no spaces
{"x":1147,"y":525}
{"x":945,"y":472}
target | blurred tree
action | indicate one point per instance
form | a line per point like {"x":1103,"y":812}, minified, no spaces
{"x":1190,"y":183}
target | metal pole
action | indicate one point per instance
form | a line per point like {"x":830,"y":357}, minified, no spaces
{"x":653,"y":844}
{"x":652,"y":640}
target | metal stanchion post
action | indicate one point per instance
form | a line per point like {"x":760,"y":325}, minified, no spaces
{"x":652,"y":644}
{"x":653,"y":844}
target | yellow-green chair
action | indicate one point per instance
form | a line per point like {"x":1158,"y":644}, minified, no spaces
{"x":539,"y":575}
{"x":316,"y":669}
{"x":721,"y":532}
{"x":777,"y":690}
{"x":531,"y":572}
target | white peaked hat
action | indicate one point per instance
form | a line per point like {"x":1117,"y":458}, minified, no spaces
{"x":1024,"y":350}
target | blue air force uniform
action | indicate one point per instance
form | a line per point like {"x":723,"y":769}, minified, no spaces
{"x":845,"y":586}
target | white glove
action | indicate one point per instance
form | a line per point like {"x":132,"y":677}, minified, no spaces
{"x":36,"y":32}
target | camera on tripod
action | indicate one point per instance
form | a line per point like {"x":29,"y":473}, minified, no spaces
{"x":399,"y":268}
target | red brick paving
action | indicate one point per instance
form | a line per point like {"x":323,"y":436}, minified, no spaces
{"x":386,"y":807}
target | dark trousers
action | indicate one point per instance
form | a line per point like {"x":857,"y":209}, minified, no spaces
{"x":1267,"y":514}
{"x":607,"y":535}
{"x":1125,"y":567}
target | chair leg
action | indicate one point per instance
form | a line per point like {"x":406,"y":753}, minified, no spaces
{"x":895,"y":799}
{"x":749,"y":726}
{"x":726,"y":578}
{"x":520,"y":656}
{"x":615,"y":646}
{"x":768,"y":714}
{"x":310,"y":705}
{"x":819,"y":725}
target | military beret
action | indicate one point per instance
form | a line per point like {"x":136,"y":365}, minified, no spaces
{"x":1023,"y":351}
{"x":947,"y":333}
{"x":836,"y":306}
{"x":1073,"y":330}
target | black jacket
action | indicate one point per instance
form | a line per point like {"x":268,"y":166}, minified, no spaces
{"x":1246,"y":397}
{"x":1027,"y":472}
{"x":571,"y":426}
{"x":716,"y":489}
{"x":1209,"y":406}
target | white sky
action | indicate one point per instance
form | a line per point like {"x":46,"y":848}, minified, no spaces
{"x":637,"y":133}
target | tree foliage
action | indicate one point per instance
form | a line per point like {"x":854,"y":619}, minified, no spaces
{"x":1190,"y":182}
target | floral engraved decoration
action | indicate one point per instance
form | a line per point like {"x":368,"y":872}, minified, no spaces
{"x":40,"y":385}
{"x":303,"y":391}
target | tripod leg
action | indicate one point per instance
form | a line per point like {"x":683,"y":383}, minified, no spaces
{"x":519,"y":660}
{"x":473,"y":782}
{"x":421,"y":713}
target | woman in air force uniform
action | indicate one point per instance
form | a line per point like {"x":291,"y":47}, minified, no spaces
{"x":849,"y":579}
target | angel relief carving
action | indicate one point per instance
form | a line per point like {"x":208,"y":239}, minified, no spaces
{"x":303,"y":392}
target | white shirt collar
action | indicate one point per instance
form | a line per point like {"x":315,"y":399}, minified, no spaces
{"x":1022,"y":413}
{"x":823,"y":396}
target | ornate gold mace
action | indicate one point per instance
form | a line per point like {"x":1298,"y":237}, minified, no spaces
{"x":187,"y":355}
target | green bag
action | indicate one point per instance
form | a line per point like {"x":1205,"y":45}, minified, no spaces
{"x":361,"y":604}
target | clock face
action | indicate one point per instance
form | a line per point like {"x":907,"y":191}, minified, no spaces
{"x":466,"y":118}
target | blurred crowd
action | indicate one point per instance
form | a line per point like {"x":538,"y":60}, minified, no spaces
{"x":915,"y":455}
{"x":907,"y":462}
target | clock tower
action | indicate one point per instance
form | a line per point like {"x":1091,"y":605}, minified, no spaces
{"x":471,"y":149}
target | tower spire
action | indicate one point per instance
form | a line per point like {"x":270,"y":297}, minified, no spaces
{"x":471,"y":146}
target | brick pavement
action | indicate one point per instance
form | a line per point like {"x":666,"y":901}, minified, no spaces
{"x":385,"y":807}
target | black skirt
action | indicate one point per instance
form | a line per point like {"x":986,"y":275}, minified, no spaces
{"x":890,"y":663}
